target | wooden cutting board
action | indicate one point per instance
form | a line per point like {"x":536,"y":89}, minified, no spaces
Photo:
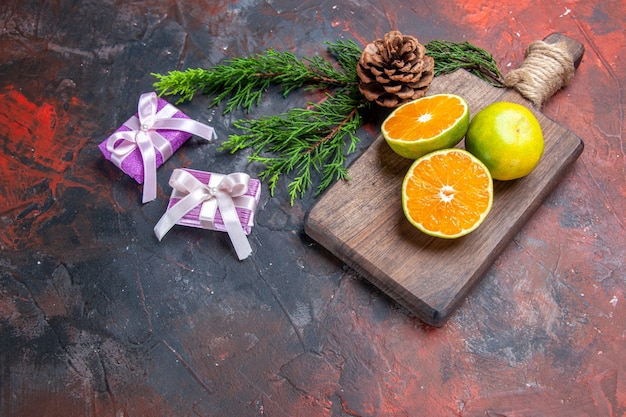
{"x":361,"y":221}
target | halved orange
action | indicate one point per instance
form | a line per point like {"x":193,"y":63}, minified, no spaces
{"x":426,"y":124}
{"x":447,"y":193}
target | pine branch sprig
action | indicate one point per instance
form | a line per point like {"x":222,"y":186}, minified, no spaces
{"x":242,"y":81}
{"x":303,"y":141}
{"x":450,"y":56}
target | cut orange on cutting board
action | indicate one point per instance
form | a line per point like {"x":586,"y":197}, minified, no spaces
{"x":447,"y":193}
{"x":427,"y":124}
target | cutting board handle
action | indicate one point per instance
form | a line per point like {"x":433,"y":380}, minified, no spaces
{"x":548,"y":66}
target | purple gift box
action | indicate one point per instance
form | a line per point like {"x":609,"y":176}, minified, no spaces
{"x":132,"y":164}
{"x":245,"y":205}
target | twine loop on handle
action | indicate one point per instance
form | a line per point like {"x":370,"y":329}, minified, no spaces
{"x":546,"y":69}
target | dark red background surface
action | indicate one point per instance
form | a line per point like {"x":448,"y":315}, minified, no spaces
{"x":97,"y":318}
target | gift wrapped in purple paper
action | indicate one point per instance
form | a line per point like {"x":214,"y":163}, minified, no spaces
{"x":245,"y":204}
{"x":146,"y":140}
{"x":212,"y":201}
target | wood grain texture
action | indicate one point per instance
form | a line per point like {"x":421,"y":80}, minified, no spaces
{"x":361,"y":221}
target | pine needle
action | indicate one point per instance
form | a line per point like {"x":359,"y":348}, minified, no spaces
{"x":450,"y":56}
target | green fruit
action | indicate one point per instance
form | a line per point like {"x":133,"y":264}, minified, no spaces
{"x":507,"y":138}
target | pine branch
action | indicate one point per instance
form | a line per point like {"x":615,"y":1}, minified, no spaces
{"x":242,"y":81}
{"x":302,"y":141}
{"x":450,"y":56}
{"x":317,"y":138}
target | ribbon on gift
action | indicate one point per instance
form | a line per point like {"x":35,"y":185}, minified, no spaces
{"x":195,"y":193}
{"x":145,"y":136}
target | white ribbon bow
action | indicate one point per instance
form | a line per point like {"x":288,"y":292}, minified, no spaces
{"x":195,"y":192}
{"x":144,"y":135}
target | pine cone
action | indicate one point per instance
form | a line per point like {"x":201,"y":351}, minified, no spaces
{"x":394,"y":70}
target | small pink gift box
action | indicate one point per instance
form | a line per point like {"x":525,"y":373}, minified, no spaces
{"x":207,"y":200}
{"x":146,"y":140}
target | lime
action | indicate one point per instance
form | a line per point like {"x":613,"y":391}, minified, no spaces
{"x":507,"y":138}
